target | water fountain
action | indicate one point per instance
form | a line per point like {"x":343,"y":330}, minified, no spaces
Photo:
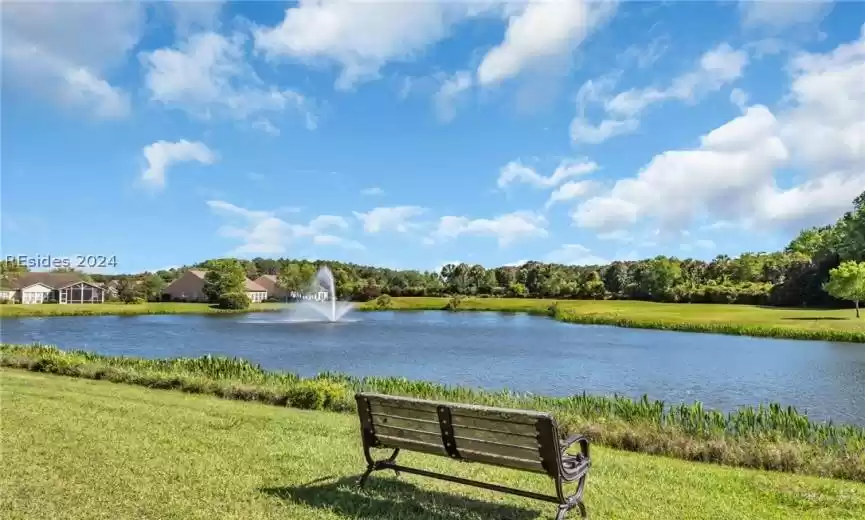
{"x":314,"y":309}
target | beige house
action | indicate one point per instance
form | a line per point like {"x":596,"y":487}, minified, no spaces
{"x":190,"y":287}
{"x":271,"y":283}
{"x":41,"y":287}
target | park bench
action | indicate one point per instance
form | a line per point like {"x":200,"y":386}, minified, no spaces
{"x":516,"y":439}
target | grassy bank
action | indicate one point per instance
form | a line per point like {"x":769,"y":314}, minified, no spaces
{"x":91,"y":449}
{"x":742,"y":320}
{"x":123,"y":309}
{"x":770,"y":437}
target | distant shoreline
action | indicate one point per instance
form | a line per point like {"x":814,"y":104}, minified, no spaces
{"x":741,"y":320}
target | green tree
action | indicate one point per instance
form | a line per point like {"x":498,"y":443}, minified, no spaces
{"x":151,"y":286}
{"x":296,"y":277}
{"x":10,"y":270}
{"x":224,"y":276}
{"x":660,"y":276}
{"x":847,"y":282}
{"x":812,"y":242}
{"x":127,"y":290}
{"x":849,"y":237}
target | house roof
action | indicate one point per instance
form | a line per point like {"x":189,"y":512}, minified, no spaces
{"x":248,"y":284}
{"x":252,"y":286}
{"x":270,"y":277}
{"x":53,"y":280}
{"x":35,"y":284}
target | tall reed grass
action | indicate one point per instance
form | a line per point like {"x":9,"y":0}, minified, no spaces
{"x":768,"y":437}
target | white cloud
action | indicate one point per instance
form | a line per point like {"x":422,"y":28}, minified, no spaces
{"x":373,"y":191}
{"x":162,"y":154}
{"x":515,"y":171}
{"x":265,"y":126}
{"x":397,"y":218}
{"x":452,"y":90}
{"x":52,"y":49}
{"x":543,"y":30}
{"x":362,"y":36}
{"x":331,"y":240}
{"x":647,"y":55}
{"x":570,"y":191}
{"x":574,"y":254}
{"x":262,"y":232}
{"x":782,"y":14}
{"x":717,"y":67}
{"x":207,"y":76}
{"x":195,"y":16}
{"x":507,"y":228}
{"x":741,"y":170}
{"x":618,"y":235}
{"x":739,"y":98}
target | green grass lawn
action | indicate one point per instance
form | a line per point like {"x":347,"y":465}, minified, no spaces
{"x":96,"y":309}
{"x":794,"y":323}
{"x":92,"y":449}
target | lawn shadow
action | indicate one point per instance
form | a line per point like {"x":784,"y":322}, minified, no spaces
{"x":389,"y":498}
{"x":815,"y":318}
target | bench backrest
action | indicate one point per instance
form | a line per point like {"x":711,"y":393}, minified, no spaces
{"x":518,"y":439}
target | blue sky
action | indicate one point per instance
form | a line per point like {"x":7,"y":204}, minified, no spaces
{"x":411,"y":134}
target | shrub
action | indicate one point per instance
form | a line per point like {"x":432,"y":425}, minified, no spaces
{"x":136,"y":300}
{"x":454,"y":303}
{"x":383,"y":302}
{"x":233,"y":300}
{"x":316,"y":395}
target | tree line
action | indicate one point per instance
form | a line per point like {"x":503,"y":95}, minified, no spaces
{"x":799,"y":275}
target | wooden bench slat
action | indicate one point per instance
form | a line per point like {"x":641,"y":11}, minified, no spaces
{"x":412,"y":435}
{"x":503,"y":461}
{"x":528,"y":430}
{"x":481,"y":434}
{"x":479,"y":446}
{"x":405,"y":413}
{"x":425,"y":447}
{"x":402,"y":422}
{"x":464,"y":410}
{"x":425,"y":431}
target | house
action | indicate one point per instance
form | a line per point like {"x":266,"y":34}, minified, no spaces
{"x":190,"y":287}
{"x":274,"y":290}
{"x":271,"y":284}
{"x":39,"y":287}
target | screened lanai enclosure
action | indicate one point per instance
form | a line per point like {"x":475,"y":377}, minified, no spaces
{"x":81,"y":292}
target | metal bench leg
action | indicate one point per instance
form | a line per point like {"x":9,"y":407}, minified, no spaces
{"x":572,"y":501}
{"x":375,"y":465}
{"x":564,"y":509}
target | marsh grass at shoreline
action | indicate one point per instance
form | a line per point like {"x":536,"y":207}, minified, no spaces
{"x":768,"y":437}
{"x":741,"y":320}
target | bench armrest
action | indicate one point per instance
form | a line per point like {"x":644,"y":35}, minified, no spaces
{"x":570,"y":441}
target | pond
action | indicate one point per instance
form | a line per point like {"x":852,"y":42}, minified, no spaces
{"x":494,"y":351}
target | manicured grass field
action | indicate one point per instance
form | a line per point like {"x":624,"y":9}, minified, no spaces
{"x":746,"y":320}
{"x":92,"y":449}
{"x":97,"y":309}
